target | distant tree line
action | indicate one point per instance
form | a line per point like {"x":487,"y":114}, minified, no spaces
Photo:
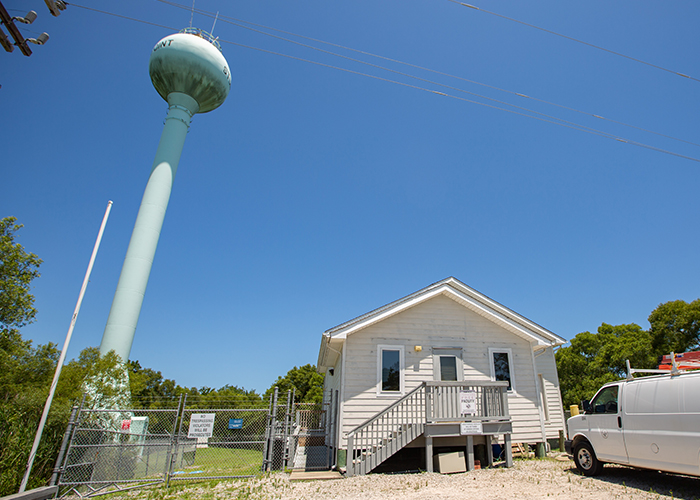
{"x":26,"y":372}
{"x":593,"y":359}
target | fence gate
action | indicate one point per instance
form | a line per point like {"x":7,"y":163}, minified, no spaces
{"x":116,"y":449}
{"x":220,"y":443}
{"x":312,"y":434}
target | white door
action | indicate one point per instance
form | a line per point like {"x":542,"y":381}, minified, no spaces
{"x":605,"y":423}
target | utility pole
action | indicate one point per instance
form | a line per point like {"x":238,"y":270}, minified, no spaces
{"x":54,"y":7}
{"x":14,"y":32}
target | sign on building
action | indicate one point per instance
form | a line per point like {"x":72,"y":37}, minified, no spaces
{"x":467,"y":402}
{"x":466,"y":428}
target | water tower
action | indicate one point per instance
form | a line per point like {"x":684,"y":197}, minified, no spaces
{"x":189,"y":71}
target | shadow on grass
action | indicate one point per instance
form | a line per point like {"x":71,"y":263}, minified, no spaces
{"x":673,"y":485}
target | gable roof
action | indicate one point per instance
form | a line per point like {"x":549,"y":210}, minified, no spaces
{"x":460,"y":293}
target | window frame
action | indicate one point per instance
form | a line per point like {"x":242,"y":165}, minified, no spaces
{"x":402,"y":368}
{"x":509,"y":353}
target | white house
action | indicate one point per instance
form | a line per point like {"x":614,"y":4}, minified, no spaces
{"x":412,"y":371}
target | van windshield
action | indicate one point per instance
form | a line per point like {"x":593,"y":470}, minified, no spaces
{"x":605,"y":401}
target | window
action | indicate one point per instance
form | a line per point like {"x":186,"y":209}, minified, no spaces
{"x":605,"y":401}
{"x":448,"y":368}
{"x":447,"y":364}
{"x":502,"y":366}
{"x":390,"y":367}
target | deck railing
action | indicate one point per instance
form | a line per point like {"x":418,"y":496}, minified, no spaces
{"x":463,"y":401}
{"x":376,"y":439}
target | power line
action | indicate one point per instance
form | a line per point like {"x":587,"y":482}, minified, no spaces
{"x":544,"y":118}
{"x":574,"y":39}
{"x":123,"y":17}
{"x":560,"y":122}
{"x":228,"y":20}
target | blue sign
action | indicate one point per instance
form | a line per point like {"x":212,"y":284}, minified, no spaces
{"x":235,"y":423}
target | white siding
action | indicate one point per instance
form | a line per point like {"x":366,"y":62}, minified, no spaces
{"x":547,"y":367}
{"x":439,"y":322}
{"x":333,"y":381}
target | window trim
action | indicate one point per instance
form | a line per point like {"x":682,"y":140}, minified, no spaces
{"x":402,"y":368}
{"x":509,"y":353}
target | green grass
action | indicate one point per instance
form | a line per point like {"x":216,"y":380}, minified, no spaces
{"x":222,"y":462}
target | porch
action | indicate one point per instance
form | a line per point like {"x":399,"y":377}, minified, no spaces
{"x":433,"y":410}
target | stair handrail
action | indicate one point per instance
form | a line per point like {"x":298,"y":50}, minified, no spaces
{"x":385,"y":410}
{"x":351,"y":462}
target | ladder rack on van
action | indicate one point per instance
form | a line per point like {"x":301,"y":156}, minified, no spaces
{"x":673,"y":369}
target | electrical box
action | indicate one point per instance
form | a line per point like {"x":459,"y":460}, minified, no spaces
{"x":449,"y":463}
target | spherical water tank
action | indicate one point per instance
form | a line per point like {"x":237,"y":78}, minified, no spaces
{"x":190,"y":62}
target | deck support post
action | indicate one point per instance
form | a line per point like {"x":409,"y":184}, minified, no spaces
{"x":470,"y":452}
{"x":429,"y":454}
{"x":489,"y":451}
{"x":509,"y":450}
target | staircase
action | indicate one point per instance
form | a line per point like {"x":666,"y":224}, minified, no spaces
{"x":429,"y":406}
{"x":374,"y":441}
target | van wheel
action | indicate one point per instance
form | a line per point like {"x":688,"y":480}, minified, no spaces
{"x":586,"y":461}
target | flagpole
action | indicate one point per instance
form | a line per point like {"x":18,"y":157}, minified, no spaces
{"x":62,"y":358}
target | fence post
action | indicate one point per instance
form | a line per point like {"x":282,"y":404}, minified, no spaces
{"x":271,"y":432}
{"x":329,"y":429}
{"x":64,"y":443}
{"x":267,"y":436}
{"x":73,"y":431}
{"x":287,"y":421}
{"x":171,"y":457}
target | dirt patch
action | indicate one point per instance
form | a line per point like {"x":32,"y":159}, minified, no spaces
{"x":528,"y":479}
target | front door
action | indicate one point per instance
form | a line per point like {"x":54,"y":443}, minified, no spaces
{"x":605,"y":424}
{"x":447,"y":367}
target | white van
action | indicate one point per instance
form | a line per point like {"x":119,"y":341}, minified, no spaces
{"x":650,"y":422}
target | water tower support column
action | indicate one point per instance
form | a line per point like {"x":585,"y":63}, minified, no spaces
{"x":126,"y":306}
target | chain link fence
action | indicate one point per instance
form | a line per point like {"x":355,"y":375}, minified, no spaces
{"x":193,"y":439}
{"x":109,"y":449}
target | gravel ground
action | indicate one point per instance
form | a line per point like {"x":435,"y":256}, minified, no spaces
{"x":528,"y":479}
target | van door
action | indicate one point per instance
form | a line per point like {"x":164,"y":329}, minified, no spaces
{"x":605,"y":424}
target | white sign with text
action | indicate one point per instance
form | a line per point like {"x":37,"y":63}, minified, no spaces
{"x":467,"y":402}
{"x":201,"y":425}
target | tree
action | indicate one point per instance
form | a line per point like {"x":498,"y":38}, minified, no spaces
{"x":675,"y":326}
{"x":305,"y":381}
{"x":17,"y":270}
{"x":594,"y":359}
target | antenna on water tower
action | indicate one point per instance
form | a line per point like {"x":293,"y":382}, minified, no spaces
{"x":189,"y":71}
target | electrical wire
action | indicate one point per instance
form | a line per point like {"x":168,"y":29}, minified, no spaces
{"x":562,"y":123}
{"x":574,"y":39}
{"x":122,"y":17}
{"x":544,"y":118}
{"x":229,"y":20}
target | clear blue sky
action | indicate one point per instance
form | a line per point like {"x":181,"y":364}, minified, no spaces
{"x":314,"y":195}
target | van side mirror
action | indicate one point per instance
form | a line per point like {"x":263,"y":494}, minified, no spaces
{"x":586,"y":405}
